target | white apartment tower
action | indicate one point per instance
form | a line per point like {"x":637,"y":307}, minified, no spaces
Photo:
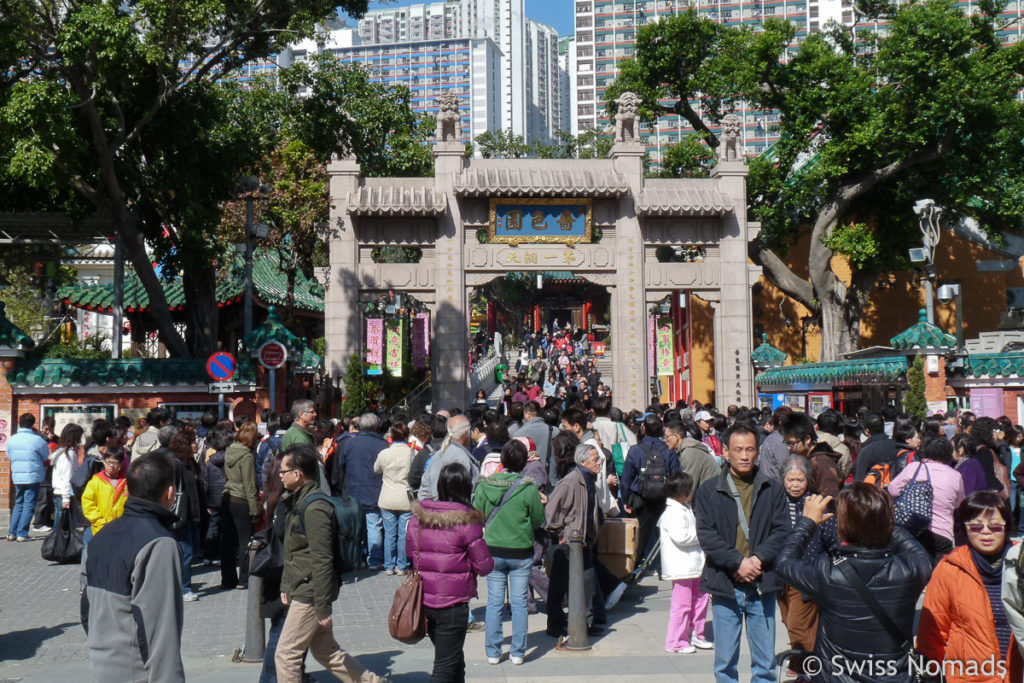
{"x":567,"y":119}
{"x":528,"y":80}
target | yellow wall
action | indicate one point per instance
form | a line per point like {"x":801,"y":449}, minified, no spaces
{"x":702,"y":354}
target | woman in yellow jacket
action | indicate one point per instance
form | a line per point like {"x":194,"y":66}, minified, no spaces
{"x":105,"y":494}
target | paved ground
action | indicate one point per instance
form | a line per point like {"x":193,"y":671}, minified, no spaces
{"x":41,"y":639}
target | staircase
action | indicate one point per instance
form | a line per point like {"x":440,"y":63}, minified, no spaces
{"x":604,"y":366}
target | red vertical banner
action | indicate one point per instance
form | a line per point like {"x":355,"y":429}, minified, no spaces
{"x":419,"y":342}
{"x":491,"y":319}
{"x":651,"y":365}
{"x":536,"y":318}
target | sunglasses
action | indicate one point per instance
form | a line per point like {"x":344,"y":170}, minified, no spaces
{"x":977,"y":528}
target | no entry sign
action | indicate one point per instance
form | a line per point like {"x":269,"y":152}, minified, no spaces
{"x":272,"y":355}
{"x":221,"y":366}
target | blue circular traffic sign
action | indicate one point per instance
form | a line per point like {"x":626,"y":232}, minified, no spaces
{"x":221,"y":366}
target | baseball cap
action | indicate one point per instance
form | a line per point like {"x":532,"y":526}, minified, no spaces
{"x":702,"y":415}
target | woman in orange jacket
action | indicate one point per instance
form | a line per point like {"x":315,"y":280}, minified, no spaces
{"x":963,"y":627}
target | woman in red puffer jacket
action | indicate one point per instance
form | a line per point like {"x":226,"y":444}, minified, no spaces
{"x":445,"y":542}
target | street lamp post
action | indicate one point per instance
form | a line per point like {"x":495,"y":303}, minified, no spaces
{"x":250,"y":185}
{"x":928,"y":215}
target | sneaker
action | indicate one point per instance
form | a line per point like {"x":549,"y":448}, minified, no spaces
{"x":493,"y":660}
{"x":516,"y":660}
{"x":376,"y":568}
{"x":10,"y":537}
{"x":615,"y":596}
{"x":476,"y":626}
{"x":43,"y":529}
{"x":390,"y":572}
{"x":21,"y":539}
{"x":702,"y":644}
{"x":189,"y":596}
{"x":688,"y":650}
{"x":207,"y":563}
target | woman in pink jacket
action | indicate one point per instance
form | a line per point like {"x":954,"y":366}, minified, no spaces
{"x":445,"y":542}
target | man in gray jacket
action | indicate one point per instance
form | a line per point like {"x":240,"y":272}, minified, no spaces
{"x":132,"y":608}
{"x":455,"y":449}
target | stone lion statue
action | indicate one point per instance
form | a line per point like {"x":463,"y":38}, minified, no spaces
{"x":449,"y":120}
{"x":729,"y":149}
{"x":626,"y":117}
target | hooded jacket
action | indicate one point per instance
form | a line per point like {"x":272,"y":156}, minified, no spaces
{"x":717,"y":524}
{"x":956,"y":620}
{"x":445,"y":542}
{"x":309,"y":575}
{"x":131,"y":606}
{"x":103,"y":501}
{"x":848,"y":629}
{"x":510,"y":533}
{"x":696,"y":459}
{"x":240,"y":476}
{"x":681,"y":556}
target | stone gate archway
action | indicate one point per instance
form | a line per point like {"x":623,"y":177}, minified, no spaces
{"x":633,"y":216}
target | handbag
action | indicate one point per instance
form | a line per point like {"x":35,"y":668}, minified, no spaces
{"x":407,"y":621}
{"x":913,"y":506}
{"x":619,"y":450}
{"x":268,"y":560}
{"x":63,"y":545}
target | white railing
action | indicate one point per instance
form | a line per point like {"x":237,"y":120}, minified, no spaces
{"x":482,"y":376}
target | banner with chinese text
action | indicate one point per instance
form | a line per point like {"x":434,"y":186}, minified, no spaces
{"x":374,"y":346}
{"x":396,"y":346}
{"x":560,"y":221}
{"x":666,"y":354}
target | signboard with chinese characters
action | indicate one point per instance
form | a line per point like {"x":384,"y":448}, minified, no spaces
{"x":419,"y":341}
{"x":666,"y":356}
{"x":396,"y":347}
{"x":374,"y":346}
{"x":559,"y":221}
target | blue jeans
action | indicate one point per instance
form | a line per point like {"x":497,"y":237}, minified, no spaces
{"x":269,"y":672}
{"x":395,"y":524}
{"x":374,"y":538}
{"x":516,"y":575}
{"x":728,"y":616}
{"x":188,"y":540}
{"x":24,"y":508}
{"x":58,"y":510}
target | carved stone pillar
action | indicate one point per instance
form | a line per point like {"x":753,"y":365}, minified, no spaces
{"x":342,"y":321}
{"x":449,"y":347}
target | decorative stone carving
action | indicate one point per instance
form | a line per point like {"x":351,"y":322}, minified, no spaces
{"x":449,"y":120}
{"x":626,"y":117}
{"x":729,"y":148}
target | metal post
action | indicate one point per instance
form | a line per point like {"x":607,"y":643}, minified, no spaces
{"x":220,"y":406}
{"x":577,"y":639}
{"x":115,"y":341}
{"x":929,"y":298}
{"x":960,"y":315}
{"x":273,"y":390}
{"x":248,"y":266}
{"x":255,"y":637}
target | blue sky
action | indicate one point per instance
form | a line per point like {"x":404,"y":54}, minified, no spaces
{"x":557,"y":13}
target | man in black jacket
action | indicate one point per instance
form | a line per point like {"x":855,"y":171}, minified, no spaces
{"x":739,"y":555}
{"x":877,"y":450}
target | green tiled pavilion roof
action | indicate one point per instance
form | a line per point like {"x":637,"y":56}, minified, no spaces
{"x":273,"y":329}
{"x":995,"y":365}
{"x":129,"y":372}
{"x":923,"y":335}
{"x":837,"y":372}
{"x":269,"y":283}
{"x":11,"y":336}
{"x":767,"y":355}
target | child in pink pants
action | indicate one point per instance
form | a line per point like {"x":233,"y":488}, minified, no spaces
{"x":682,"y":561}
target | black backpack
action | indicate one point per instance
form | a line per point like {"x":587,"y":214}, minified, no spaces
{"x":651,"y":481}
{"x":348,"y":525}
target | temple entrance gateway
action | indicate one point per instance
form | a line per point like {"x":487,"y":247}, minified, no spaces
{"x":600,"y":220}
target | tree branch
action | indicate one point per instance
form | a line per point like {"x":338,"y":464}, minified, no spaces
{"x":783,"y":277}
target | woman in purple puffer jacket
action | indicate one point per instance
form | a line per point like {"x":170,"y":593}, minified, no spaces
{"x":445,"y":542}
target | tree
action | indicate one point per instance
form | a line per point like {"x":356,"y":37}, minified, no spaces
{"x":913,"y":401}
{"x":353,"y":402}
{"x":24,"y":305}
{"x":868,"y":124}
{"x":590,"y":144}
{"x":119,"y":102}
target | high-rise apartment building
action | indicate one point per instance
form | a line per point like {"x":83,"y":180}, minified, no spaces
{"x":528,"y":76}
{"x":566,"y":85}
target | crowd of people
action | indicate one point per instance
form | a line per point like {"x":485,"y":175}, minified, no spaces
{"x":839,"y":523}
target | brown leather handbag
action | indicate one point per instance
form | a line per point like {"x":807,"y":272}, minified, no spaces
{"x":407,"y":621}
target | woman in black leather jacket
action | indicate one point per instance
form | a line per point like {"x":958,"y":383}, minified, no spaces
{"x":852,"y":644}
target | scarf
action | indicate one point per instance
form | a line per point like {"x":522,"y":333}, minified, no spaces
{"x":590,"y":479}
{"x":991,"y":571}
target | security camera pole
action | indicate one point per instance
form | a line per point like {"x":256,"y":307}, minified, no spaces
{"x":928,"y":215}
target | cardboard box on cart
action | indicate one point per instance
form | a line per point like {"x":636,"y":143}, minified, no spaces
{"x":617,"y":545}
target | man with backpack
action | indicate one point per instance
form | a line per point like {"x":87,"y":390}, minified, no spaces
{"x":642,"y":486}
{"x":878,"y":449}
{"x":309,"y":583}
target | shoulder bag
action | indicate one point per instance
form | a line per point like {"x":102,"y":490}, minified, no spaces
{"x":913,"y":507}
{"x":619,"y":449}
{"x":512,"y":490}
{"x":407,"y":621}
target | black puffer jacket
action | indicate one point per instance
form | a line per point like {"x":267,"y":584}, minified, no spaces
{"x":717,"y":520}
{"x":848,"y":631}
{"x":215,"y":478}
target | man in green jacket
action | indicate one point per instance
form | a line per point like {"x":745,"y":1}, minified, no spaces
{"x":309,"y":584}
{"x":303,"y":419}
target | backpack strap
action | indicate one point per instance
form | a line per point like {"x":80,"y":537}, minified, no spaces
{"x":512,"y":490}
{"x":310,"y":499}
{"x":841,"y":562}
{"x":741,"y":515}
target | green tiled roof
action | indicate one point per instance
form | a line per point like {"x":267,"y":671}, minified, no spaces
{"x":844,"y":372}
{"x":11,"y":336}
{"x":130,"y":372}
{"x":269,"y":283}
{"x":923,"y":335}
{"x":273,"y":329}
{"x":994,"y":365}
{"x":767,"y":355}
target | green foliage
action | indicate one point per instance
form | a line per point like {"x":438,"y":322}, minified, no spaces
{"x":855,"y":241}
{"x":24,"y":304}
{"x":690,"y":158}
{"x":914,"y":401}
{"x":90,"y":348}
{"x":354,"y":401}
{"x":591,"y":144}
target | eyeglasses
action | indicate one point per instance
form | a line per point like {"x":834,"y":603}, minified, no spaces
{"x":978,"y":527}
{"x":792,"y":442}
{"x":283,"y":471}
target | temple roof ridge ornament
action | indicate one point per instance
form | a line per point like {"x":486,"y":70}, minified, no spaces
{"x":923,"y":335}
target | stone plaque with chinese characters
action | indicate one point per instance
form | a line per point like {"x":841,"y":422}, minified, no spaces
{"x":523,"y":221}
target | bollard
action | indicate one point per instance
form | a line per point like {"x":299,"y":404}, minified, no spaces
{"x":255,"y":637}
{"x":578,"y":598}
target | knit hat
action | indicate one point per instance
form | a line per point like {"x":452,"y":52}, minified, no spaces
{"x":531,"y":447}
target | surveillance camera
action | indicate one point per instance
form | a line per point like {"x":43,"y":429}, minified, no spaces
{"x":948,"y":292}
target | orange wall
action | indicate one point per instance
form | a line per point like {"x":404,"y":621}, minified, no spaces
{"x":702,"y":354}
